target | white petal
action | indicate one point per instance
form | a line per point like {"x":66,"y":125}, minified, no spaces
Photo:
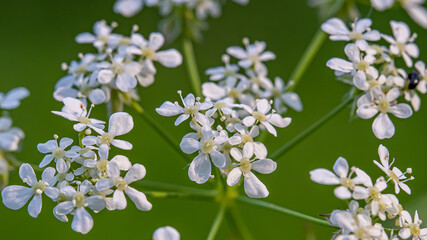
{"x":218,"y":159}
{"x":135,"y":173}
{"x":96,"y":203}
{"x":189,"y":145}
{"x":200,"y":169}
{"x":342,"y":192}
{"x":64,"y":208}
{"x":139,"y":199}
{"x":234,"y":176}
{"x":168,"y":109}
{"x":254,"y":188}
{"x":169,"y":58}
{"x":120,"y":123}
{"x":366,"y":111}
{"x":341,"y":65}
{"x":15,"y":197}
{"x":383,"y":127}
{"x":324,"y":176}
{"x":35,"y":206}
{"x":264,"y":166}
{"x":401,"y":110}
{"x":26,"y":172}
{"x":82,"y":221}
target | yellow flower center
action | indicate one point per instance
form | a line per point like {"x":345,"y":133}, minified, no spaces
{"x":79,"y":200}
{"x":208,"y":145}
{"x":259,"y":116}
{"x":384,"y":106}
{"x":245,"y":165}
{"x":148,"y":53}
{"x":106,"y":138}
{"x":58,"y":153}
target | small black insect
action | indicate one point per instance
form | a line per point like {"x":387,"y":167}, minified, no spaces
{"x":413,"y":79}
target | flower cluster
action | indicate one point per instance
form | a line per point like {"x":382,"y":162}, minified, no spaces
{"x":370,"y":206}
{"x":331,"y":8}
{"x":248,"y":80}
{"x":383,"y":73}
{"x":223,"y":134}
{"x":113,"y":72}
{"x":83,"y":176}
{"x":177,"y":14}
{"x":10,"y":136}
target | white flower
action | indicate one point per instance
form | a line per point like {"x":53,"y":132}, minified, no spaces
{"x":208,"y":147}
{"x":87,"y":88}
{"x":12,"y":99}
{"x":205,"y":7}
{"x":412,"y":228}
{"x":128,"y":8}
{"x":10,"y":137}
{"x":261,"y":115}
{"x":394,"y":174}
{"x":402,"y":43}
{"x":15,"y":197}
{"x":101,"y":38}
{"x":378,"y":203}
{"x":149,"y":50}
{"x":75,"y":110}
{"x":360,"y":33}
{"x":376,"y":101}
{"x":120,"y":123}
{"x":121,"y":72}
{"x":229,"y":73}
{"x":281,"y":97}
{"x":382,"y":5}
{"x":355,"y":227}
{"x":191,"y":108}
{"x":166,"y":233}
{"x":341,"y":177}
{"x":254,"y":54}
{"x":254,"y":188}
{"x":135,"y":173}
{"x":82,"y":221}
{"x":57,"y":153}
{"x":421,"y":68}
{"x":359,"y":67}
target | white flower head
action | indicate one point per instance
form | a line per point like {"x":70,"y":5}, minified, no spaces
{"x":360,"y":33}
{"x":12,"y":99}
{"x":82,"y":221}
{"x":254,"y":188}
{"x":402,"y":42}
{"x":412,"y":228}
{"x":57,"y":153}
{"x":261,"y":114}
{"x":120,"y":123}
{"x":375,"y":101}
{"x":75,"y":110}
{"x":15,"y":197}
{"x":341,"y":176}
{"x":252,"y":56}
{"x":135,"y":173}
{"x":394,"y":173}
{"x":191,"y":108}
{"x":128,"y":8}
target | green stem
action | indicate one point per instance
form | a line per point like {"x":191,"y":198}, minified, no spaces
{"x":307,"y":57}
{"x":199,"y":196}
{"x":161,"y":131}
{"x":286,"y":211}
{"x":217,"y":222}
{"x":307,"y":132}
{"x":193,"y":72}
{"x":176,"y":188}
{"x":236,"y":222}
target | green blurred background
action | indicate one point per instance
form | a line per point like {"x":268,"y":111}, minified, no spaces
{"x":37,"y":36}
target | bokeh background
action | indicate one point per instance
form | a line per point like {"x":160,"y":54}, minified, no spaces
{"x":37,"y":36}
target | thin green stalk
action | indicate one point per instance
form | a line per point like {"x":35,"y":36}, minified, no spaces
{"x":286,"y":211}
{"x":307,"y":132}
{"x":192,"y":69}
{"x":161,"y":131}
{"x":236,"y":222}
{"x":199,"y":196}
{"x":176,"y":188}
{"x":217,"y":222}
{"x":307,"y":57}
